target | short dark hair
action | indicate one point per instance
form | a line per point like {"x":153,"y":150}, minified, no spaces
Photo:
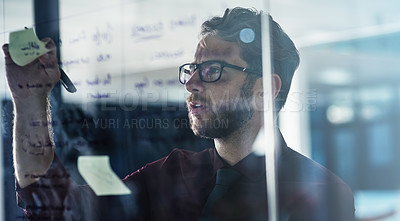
{"x":285,"y":57}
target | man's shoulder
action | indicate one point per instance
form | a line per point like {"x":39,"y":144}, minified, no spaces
{"x":183,"y":157}
{"x":178,"y":158}
{"x":295,"y":167}
{"x":178,"y":153}
{"x":313,"y":189}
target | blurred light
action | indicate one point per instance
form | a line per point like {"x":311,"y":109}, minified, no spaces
{"x":335,"y":76}
{"x":247,"y":35}
{"x":372,"y":204}
{"x":370,"y":112}
{"x":339,"y":114}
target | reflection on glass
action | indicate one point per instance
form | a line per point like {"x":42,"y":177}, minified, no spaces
{"x":123,"y":58}
{"x":357,"y":116}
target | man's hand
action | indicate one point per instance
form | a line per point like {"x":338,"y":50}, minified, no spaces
{"x":30,"y":86}
{"x":34,"y":81}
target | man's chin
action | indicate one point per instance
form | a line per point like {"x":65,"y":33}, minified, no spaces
{"x":198,"y":120}
{"x":200,"y":128}
{"x":205,"y":129}
{"x":204,"y":133}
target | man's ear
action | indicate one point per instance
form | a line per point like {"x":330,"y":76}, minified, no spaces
{"x":276,"y":84}
{"x":259,"y":92}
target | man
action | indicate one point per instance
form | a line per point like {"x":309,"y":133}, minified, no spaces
{"x":225,"y":83}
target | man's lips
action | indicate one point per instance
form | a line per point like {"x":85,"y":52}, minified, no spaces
{"x":196,"y":108}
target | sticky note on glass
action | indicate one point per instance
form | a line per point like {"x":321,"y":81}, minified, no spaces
{"x":25,"y":47}
{"x":97,"y":172}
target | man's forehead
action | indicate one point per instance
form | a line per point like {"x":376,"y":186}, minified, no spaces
{"x":212,"y":47}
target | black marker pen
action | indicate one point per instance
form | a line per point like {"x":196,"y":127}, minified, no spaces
{"x":66,"y":82}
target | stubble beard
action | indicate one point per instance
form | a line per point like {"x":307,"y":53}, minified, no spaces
{"x":227,"y":118}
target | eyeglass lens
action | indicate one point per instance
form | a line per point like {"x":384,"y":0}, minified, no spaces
{"x":209,"y":71}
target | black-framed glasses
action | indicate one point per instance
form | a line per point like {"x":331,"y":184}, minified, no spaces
{"x":209,"y":71}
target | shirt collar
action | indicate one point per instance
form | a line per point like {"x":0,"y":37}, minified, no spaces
{"x":252,"y":166}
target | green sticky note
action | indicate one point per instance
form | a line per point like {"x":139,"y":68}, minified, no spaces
{"x":97,"y":172}
{"x":25,"y":47}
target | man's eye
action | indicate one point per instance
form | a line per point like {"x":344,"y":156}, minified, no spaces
{"x":213,"y":70}
{"x":211,"y":73}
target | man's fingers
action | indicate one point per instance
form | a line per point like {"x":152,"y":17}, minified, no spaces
{"x":7,"y":56}
{"x":5,"y":50}
{"x":49,"y":43}
{"x":49,"y":60}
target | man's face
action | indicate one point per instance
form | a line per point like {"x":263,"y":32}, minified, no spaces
{"x":217,"y":109}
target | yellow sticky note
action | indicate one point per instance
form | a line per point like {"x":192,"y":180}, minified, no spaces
{"x":25,"y":46}
{"x":97,"y":172}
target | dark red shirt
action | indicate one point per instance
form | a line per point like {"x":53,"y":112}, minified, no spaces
{"x":176,"y":188}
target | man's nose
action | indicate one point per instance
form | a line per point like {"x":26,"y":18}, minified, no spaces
{"x":195,"y":84}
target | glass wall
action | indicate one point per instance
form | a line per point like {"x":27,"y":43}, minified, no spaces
{"x":342,"y":111}
{"x":350,"y":57}
{"x":15,"y":15}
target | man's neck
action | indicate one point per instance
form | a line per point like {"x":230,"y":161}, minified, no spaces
{"x":237,"y":145}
